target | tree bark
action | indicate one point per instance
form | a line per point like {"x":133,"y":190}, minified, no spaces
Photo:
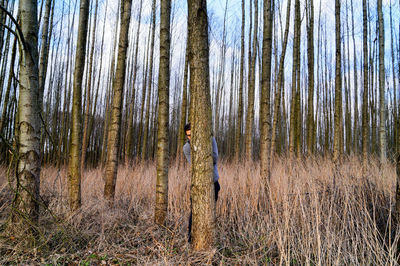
{"x":26,"y":201}
{"x":239,"y":128}
{"x":252,"y":82}
{"x":145,"y":144}
{"x":310,"y":62}
{"x":278,"y":91}
{"x":184,"y":105}
{"x":365,"y":115}
{"x":113,"y":140}
{"x":338,"y":86}
{"x":44,"y":51}
{"x":202,"y":192}
{"x":129,"y":131}
{"x":88,"y":92}
{"x":294,"y":112}
{"x":382,"y":102}
{"x":74,"y":167}
{"x":163,"y":116}
{"x":265,"y":114}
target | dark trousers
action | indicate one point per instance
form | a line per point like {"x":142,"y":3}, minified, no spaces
{"x":217,"y":188}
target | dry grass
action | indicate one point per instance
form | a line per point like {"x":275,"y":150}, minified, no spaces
{"x":309,"y":219}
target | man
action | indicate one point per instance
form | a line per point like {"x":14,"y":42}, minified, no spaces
{"x":186,"y":151}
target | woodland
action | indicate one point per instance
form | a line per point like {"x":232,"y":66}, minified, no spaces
{"x":301,"y":96}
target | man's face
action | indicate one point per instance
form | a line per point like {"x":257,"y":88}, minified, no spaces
{"x":188,"y":134}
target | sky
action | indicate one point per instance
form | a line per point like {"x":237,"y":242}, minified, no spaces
{"x":216,"y":11}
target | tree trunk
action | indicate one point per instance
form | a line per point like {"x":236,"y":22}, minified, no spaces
{"x":4,"y":113}
{"x":26,"y":201}
{"x":239,"y":128}
{"x":252,"y":82}
{"x":74,"y":167}
{"x":355,"y":71}
{"x":310,"y":62}
{"x":113,"y":140}
{"x":88,"y":92}
{"x":382,"y":102}
{"x":338,"y":86}
{"x":129,"y":131}
{"x":181,"y":133}
{"x":365,"y":115}
{"x":278,"y":91}
{"x":44,"y":51}
{"x":265,"y":114}
{"x":202,"y":192}
{"x":145,"y":144}
{"x":163,"y":116}
{"x":296,"y":64}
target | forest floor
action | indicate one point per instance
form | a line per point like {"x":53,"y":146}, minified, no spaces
{"x":315,"y":215}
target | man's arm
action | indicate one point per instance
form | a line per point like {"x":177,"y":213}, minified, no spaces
{"x":214,"y":150}
{"x":186,"y":151}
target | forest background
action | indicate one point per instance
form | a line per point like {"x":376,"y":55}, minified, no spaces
{"x":361,"y":129}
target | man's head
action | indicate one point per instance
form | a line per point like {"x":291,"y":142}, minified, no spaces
{"x":187,"y":131}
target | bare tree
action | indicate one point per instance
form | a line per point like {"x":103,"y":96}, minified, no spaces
{"x":278,"y":91}
{"x":239,"y":128}
{"x":382,"y":102}
{"x":163,"y":116}
{"x":74,"y":167}
{"x":310,"y":62}
{"x":365,"y":124}
{"x":295,"y":108}
{"x":251,"y":88}
{"x":202,"y":193}
{"x":90,"y":71}
{"x":338,"y":87}
{"x":265,"y":114}
{"x":26,"y":206}
{"x":113,"y":140}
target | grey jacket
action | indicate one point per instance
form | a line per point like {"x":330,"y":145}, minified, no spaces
{"x":186,"y":151}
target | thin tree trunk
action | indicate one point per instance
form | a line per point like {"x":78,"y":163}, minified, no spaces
{"x":4,"y":113}
{"x":88,"y":92}
{"x":163,"y":116}
{"x":265,"y":113}
{"x":145,"y":143}
{"x":278,"y":91}
{"x":252,"y":82}
{"x":113,"y":140}
{"x":239,"y":128}
{"x":44,"y":51}
{"x":74,"y":166}
{"x":310,"y":62}
{"x":129,"y":131}
{"x":338,"y":86}
{"x":365,"y":92}
{"x":382,"y":103}
{"x":355,"y":71}
{"x":395,"y":114}
{"x":181,"y":133}
{"x":296,"y":63}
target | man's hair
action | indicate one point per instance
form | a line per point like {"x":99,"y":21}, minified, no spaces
{"x":187,"y":127}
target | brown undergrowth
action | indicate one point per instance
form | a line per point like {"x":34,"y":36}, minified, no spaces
{"x":307,"y":219}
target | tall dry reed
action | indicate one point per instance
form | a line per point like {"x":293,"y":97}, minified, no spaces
{"x":315,"y":214}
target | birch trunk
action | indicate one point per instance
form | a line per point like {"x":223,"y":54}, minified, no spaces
{"x":26,"y":206}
